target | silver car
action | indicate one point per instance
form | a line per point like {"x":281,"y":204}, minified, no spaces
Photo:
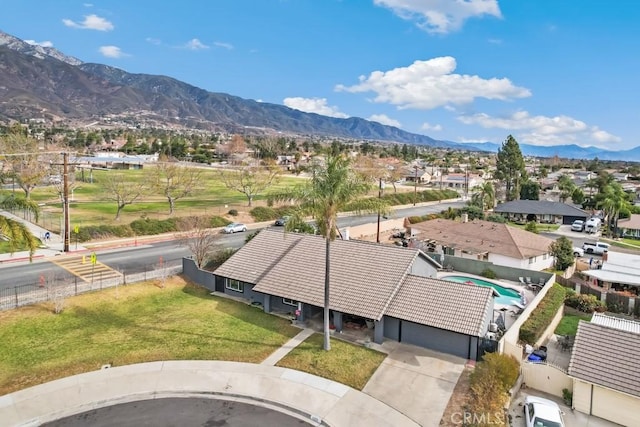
{"x":234,"y":227}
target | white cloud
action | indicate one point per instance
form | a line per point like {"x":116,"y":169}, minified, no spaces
{"x":430,"y":84}
{"x":227,"y":46}
{"x":91,"y":22}
{"x":112,"y":51}
{"x":195,"y":44}
{"x":427,"y":126}
{"x":45,"y":43}
{"x":314,"y":105}
{"x":153,"y":40}
{"x":384,"y":119}
{"x":441,"y":16}
{"x":543,"y":130}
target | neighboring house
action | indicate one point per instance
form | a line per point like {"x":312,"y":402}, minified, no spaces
{"x":111,"y":161}
{"x":485,"y":241}
{"x":618,"y":271}
{"x":630,"y":227}
{"x":604,"y":368}
{"x":460,"y":181}
{"x":620,"y":176}
{"x":393,"y":286}
{"x":541,"y":211}
{"x":423,"y":177}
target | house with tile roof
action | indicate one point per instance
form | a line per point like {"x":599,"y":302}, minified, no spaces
{"x":393,"y":287}
{"x":630,"y":227}
{"x":541,"y":211}
{"x":604,"y":368}
{"x":485,"y":241}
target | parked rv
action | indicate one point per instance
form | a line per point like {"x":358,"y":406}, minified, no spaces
{"x":592,"y":225}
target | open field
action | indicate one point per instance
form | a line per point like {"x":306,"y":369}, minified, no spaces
{"x":346,"y":363}
{"x":132,"y":324}
{"x":90,"y":205}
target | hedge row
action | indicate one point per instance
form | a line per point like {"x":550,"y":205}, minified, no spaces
{"x":395,"y":199}
{"x":265,"y":213}
{"x":144,"y":227}
{"x":543,"y":314}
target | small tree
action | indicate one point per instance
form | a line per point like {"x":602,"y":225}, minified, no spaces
{"x":201,"y":239}
{"x":175,"y":181}
{"x":122,"y":191}
{"x":250,"y":180}
{"x":562,"y":251}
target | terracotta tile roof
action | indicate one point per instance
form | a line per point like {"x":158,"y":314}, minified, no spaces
{"x":364,"y":276}
{"x":446,"y":305}
{"x":607,"y":357}
{"x":483,"y":236}
{"x":632,"y":223}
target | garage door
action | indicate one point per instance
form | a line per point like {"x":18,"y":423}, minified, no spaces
{"x":435,"y":339}
{"x":613,"y":406}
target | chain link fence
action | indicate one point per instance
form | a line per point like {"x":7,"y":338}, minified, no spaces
{"x":56,"y":289}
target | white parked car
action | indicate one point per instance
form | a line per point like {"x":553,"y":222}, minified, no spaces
{"x":539,"y":412}
{"x":578,"y":225}
{"x":578,"y":252}
{"x":234,"y":227}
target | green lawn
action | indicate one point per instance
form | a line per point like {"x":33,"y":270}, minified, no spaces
{"x":345,"y":363}
{"x":132,"y":324}
{"x":569,"y":323}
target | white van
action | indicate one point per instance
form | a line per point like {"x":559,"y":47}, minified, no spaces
{"x":592,"y":225}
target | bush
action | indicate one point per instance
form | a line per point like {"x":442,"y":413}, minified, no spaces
{"x":567,"y":396}
{"x":585,"y":303}
{"x":233,"y":212}
{"x":489,"y":385}
{"x":532,"y":227}
{"x":496,"y":218}
{"x":218,"y":258}
{"x":148,"y":226}
{"x":543,"y":314}
{"x":218,"y":221}
{"x":95,"y":232}
{"x":264,"y":213}
{"x":488,"y":273}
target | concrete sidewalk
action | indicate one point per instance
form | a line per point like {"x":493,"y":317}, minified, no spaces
{"x":316,"y":400}
{"x":287,"y":347}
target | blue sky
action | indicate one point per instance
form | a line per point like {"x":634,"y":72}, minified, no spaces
{"x":548,"y":72}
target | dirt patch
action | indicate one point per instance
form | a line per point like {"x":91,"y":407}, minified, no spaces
{"x":452,"y":414}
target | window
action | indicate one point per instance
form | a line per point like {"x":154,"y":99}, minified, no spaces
{"x":532,"y":260}
{"x":234,"y":285}
{"x":288,"y":301}
{"x":545,"y":256}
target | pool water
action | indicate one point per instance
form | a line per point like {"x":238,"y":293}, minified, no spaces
{"x":507,"y":295}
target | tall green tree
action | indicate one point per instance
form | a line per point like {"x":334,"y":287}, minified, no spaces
{"x":16,"y":232}
{"x":562,"y":251}
{"x":333,"y":186}
{"x":510,"y":168}
{"x":530,"y":190}
{"x":615,"y":200}
{"x":566,"y":187}
{"x":484,"y":196}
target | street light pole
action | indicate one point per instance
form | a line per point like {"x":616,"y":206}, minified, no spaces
{"x":415,"y":186}
{"x":379,"y":197}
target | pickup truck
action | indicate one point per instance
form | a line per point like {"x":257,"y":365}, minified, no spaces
{"x":597,"y":248}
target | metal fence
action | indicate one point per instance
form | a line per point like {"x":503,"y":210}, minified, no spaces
{"x":56,"y":289}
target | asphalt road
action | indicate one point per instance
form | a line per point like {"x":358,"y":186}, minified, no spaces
{"x":180,"y":412}
{"x":146,"y":257}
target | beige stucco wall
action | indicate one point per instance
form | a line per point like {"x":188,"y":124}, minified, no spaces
{"x":608,"y":404}
{"x":545,"y":377}
{"x":368,"y":231}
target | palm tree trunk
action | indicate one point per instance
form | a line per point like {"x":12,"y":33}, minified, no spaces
{"x":327,"y":341}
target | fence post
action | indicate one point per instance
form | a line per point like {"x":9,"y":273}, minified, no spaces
{"x":75,"y":282}
{"x":15,"y":289}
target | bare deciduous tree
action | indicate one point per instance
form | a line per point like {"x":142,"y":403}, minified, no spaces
{"x":175,"y":181}
{"x":250,"y":180}
{"x":122,"y":190}
{"x":24,"y":163}
{"x":201,"y":239}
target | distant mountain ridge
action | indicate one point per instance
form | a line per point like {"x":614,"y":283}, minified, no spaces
{"x":38,"y":80}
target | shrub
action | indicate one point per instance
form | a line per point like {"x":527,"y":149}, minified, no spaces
{"x":496,"y":218}
{"x":504,"y":367}
{"x":488,"y":273}
{"x":567,"y":396}
{"x":218,"y":258}
{"x":148,"y":226}
{"x":218,"y":221}
{"x":263,"y":213}
{"x":233,"y":212}
{"x":94,"y":232}
{"x":489,"y":385}
{"x":585,"y":303}
{"x":543,"y":314}
{"x":532,"y":227}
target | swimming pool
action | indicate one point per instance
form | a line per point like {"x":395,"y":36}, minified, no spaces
{"x":507,"y":295}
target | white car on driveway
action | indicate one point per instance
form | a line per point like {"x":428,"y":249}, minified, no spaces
{"x":539,"y":412}
{"x":234,"y":227}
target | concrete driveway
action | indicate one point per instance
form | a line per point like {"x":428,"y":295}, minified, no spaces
{"x":416,"y":381}
{"x":571,"y":418}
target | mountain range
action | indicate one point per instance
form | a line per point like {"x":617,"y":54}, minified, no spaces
{"x":37,"y":81}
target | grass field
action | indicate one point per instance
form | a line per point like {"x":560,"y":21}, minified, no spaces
{"x":346,"y":363}
{"x":90,"y":205}
{"x":569,"y":323}
{"x":132,"y":324}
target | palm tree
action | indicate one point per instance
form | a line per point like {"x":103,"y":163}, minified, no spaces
{"x":615,"y":200}
{"x":332,"y":188}
{"x":484,"y":195}
{"x":16,"y":232}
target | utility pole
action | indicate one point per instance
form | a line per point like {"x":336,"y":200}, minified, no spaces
{"x":65,"y":197}
{"x":415,"y":186}
{"x":379,"y":196}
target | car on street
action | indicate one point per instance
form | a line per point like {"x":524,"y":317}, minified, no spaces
{"x":539,"y":412}
{"x":578,"y":225}
{"x":234,"y":227}
{"x":282,"y":221}
{"x":578,"y":252}
{"x":597,"y":248}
